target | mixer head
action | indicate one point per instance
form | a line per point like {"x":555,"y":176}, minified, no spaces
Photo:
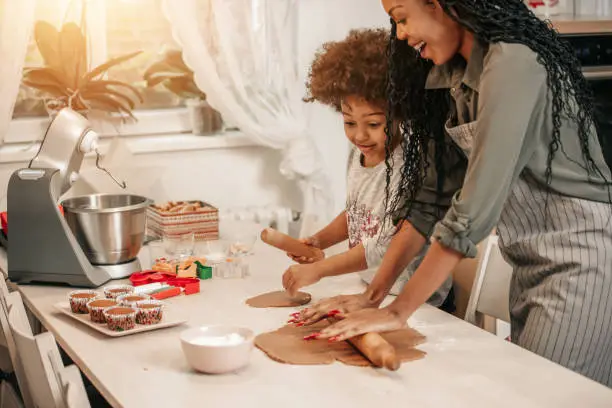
{"x":68,"y":138}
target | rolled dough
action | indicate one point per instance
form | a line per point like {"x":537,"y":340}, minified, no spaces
{"x":287,"y":345}
{"x":279,"y":298}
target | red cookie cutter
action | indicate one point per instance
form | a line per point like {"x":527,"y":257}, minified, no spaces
{"x":191,"y":285}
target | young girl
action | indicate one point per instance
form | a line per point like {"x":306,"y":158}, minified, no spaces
{"x":519,"y":107}
{"x":350,"y":76}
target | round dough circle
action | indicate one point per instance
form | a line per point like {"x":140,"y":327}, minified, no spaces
{"x":279,"y":298}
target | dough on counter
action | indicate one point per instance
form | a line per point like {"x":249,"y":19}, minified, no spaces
{"x":287,"y":345}
{"x":279,"y":298}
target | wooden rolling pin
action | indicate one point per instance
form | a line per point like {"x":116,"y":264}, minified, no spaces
{"x":286,"y":243}
{"x":377,"y":350}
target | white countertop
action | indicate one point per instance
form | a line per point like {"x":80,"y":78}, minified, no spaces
{"x":464,"y":366}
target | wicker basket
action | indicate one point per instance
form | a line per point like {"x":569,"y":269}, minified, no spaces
{"x":203,"y":222}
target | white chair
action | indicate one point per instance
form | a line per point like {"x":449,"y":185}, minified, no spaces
{"x":8,"y":396}
{"x":7,"y":338}
{"x":490,"y":291}
{"x":72,"y":382}
{"x":51,"y":384}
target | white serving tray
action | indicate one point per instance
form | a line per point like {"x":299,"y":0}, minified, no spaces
{"x":172,"y":317}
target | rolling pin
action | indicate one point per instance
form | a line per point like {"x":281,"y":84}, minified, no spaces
{"x":286,"y":243}
{"x":377,"y":350}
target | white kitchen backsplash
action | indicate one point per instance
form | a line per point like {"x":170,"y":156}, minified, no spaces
{"x":580,"y":7}
{"x":594,"y":7}
{"x":550,"y":8}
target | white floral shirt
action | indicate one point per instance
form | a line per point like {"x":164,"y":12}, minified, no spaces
{"x":365,"y":213}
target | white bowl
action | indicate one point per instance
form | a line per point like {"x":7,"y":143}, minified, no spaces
{"x":217,"y":349}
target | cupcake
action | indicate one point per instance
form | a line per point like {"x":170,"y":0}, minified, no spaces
{"x":114,"y":291}
{"x":131,"y":298}
{"x":120,"y":318}
{"x":79,"y":299}
{"x":97,"y":307}
{"x":149,"y":311}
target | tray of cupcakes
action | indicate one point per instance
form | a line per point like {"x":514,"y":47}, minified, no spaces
{"x":119,"y":311}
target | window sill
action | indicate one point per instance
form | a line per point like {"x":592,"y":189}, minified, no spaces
{"x":149,"y":144}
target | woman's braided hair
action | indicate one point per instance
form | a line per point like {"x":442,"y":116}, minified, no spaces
{"x":491,"y":21}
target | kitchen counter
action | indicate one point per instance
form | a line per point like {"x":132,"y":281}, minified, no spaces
{"x":464,"y":366}
{"x":569,"y":24}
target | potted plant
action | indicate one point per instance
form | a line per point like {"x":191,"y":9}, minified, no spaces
{"x":66,"y":80}
{"x":172,"y":73}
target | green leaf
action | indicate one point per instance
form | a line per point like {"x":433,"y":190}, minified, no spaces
{"x":93,"y":95}
{"x":101,"y":69}
{"x":158,"y":78}
{"x":47,"y":80}
{"x":163,"y":68}
{"x":100,"y":85}
{"x":175,"y":58}
{"x":73,"y":53}
{"x":47,"y":41}
{"x":111,"y":105}
{"x":184,"y":87}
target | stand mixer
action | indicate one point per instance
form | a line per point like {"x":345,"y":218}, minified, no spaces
{"x":99,"y":236}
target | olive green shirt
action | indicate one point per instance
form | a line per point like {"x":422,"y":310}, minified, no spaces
{"x":502,"y":92}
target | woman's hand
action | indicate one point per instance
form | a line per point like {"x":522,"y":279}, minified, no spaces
{"x":332,"y":306}
{"x":314,"y":243}
{"x":361,"y":322}
{"x":299,"y":276}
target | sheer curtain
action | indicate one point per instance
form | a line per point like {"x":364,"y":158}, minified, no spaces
{"x":16,"y":22}
{"x":244,"y":56}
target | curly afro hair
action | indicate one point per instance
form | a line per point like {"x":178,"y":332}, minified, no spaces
{"x":355,"y":66}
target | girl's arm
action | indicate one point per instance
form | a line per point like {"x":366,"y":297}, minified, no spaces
{"x":404,"y":246}
{"x":299,"y":276}
{"x":335,"y":232}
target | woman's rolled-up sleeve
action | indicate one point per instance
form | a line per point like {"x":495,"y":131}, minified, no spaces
{"x":510,"y":116}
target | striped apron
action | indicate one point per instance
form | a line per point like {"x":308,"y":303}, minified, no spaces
{"x":560,"y":248}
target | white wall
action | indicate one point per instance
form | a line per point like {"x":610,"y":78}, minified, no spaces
{"x":331,"y":20}
{"x":227,"y":178}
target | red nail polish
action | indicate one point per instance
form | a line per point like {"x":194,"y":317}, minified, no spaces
{"x":333,"y":339}
{"x":333,"y":313}
{"x":299,"y":325}
{"x":296,"y":314}
{"x":312,"y":336}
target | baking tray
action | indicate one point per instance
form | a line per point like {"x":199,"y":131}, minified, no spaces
{"x":172,"y":317}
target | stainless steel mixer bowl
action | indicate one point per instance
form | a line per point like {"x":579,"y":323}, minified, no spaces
{"x":109,"y":227}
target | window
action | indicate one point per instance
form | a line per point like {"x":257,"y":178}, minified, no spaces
{"x":113,"y":27}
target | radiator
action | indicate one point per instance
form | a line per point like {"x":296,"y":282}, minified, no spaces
{"x":281,"y":218}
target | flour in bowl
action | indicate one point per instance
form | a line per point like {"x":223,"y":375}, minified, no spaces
{"x":232,"y":339}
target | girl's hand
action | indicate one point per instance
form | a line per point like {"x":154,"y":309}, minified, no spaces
{"x":299,"y":276}
{"x":314,"y":243}
{"x":336,"y":305}
{"x":361,"y":322}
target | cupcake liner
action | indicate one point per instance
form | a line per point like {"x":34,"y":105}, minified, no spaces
{"x":96,"y":313}
{"x":149,"y":312}
{"x":78,"y":305}
{"x":120,"y":322}
{"x":114,"y":291}
{"x":125,"y":301}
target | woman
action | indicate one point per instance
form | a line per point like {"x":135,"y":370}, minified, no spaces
{"x":522,"y":113}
